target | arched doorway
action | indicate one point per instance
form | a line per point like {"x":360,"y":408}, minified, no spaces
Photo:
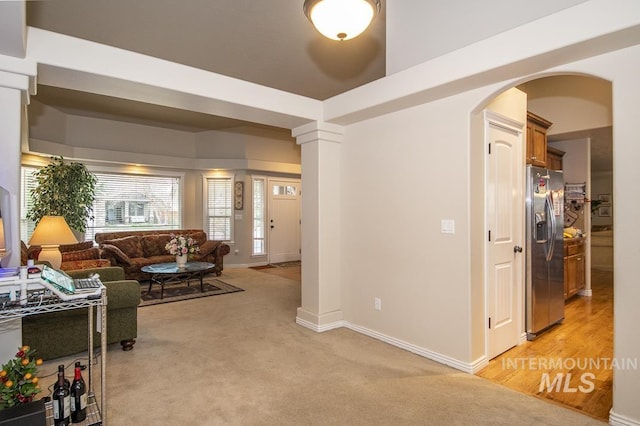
{"x":567,"y":364}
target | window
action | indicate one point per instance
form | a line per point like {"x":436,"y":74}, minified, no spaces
{"x":135,"y":202}
{"x":219,"y":208}
{"x":123,"y":201}
{"x":259,"y":218}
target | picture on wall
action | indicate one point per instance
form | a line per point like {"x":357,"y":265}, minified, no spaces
{"x":605,"y":198}
{"x":604,"y":211}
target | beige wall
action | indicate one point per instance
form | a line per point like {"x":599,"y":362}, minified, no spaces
{"x":405,"y":171}
{"x":571,"y":102}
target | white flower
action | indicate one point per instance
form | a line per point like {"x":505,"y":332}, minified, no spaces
{"x":180,"y":245}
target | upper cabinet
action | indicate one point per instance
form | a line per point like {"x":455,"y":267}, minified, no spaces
{"x":537,"y":140}
{"x":554,"y":158}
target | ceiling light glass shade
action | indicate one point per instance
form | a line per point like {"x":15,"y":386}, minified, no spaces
{"x":341,"y":19}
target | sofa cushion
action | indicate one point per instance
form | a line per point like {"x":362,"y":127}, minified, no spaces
{"x":129,"y":245}
{"x":85,"y":264}
{"x":153,"y":245}
{"x":114,"y":251}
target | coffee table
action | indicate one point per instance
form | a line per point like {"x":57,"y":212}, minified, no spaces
{"x":165,"y":273}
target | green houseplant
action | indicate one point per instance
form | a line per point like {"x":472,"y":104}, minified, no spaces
{"x":64,"y":189}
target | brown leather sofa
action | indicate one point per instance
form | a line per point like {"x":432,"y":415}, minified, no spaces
{"x":132,"y":250}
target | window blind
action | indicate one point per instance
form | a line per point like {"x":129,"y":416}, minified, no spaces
{"x":135,"y":202}
{"x":259,"y":218}
{"x":123,"y":202}
{"x":219,"y":208}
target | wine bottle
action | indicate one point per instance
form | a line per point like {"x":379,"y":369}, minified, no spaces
{"x":61,"y":401}
{"x":67,"y":384}
{"x":78,"y":396}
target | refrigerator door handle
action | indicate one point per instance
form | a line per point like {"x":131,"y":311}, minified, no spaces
{"x":552,"y":219}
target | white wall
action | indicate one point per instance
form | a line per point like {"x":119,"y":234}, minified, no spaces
{"x":420,"y":30}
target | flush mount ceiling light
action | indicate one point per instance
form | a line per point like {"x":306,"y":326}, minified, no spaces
{"x":341,"y":19}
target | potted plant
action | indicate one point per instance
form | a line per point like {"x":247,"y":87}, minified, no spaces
{"x":64,"y":189}
{"x":18,"y":379}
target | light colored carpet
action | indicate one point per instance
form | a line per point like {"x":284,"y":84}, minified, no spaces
{"x":240,"y":359}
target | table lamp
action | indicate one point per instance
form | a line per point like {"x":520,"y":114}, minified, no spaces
{"x":49,"y":234}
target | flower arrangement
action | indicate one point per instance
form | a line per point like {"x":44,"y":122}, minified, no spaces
{"x":18,"y":379}
{"x":180,"y":245}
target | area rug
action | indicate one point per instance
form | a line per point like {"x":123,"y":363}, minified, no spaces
{"x":176,"y":292}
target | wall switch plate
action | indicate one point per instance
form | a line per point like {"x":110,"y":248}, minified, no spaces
{"x":448,"y":226}
{"x":377,"y":303}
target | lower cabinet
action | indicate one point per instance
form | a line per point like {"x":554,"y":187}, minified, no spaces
{"x":574,"y":266}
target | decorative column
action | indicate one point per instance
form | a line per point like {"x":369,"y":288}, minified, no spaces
{"x":321,"y":308}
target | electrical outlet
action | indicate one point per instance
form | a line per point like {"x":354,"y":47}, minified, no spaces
{"x":377,"y":303}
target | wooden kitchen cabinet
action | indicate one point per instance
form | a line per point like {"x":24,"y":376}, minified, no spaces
{"x":554,"y":158}
{"x":537,"y":140}
{"x":574,"y":266}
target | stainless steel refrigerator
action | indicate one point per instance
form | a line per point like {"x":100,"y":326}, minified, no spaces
{"x":544,"y":249}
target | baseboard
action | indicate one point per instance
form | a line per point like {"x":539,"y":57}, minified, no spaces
{"x":426,"y":353}
{"x":619,"y":420}
{"x":586,"y":292}
{"x":319,"y":323}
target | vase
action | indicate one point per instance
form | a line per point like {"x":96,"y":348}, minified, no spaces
{"x":181,"y":260}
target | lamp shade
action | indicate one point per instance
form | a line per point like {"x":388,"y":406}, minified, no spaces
{"x":341,"y":19}
{"x":52,"y":230}
{"x":49,"y":234}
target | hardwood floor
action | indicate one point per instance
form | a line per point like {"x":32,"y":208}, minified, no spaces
{"x":581,"y":346}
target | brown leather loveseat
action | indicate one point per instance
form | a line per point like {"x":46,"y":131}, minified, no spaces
{"x":132,"y":250}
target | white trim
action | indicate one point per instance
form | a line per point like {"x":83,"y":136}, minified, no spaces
{"x":620,"y":420}
{"x":426,"y":353}
{"x":586,"y":292}
{"x":466,"y":367}
{"x":320,"y":328}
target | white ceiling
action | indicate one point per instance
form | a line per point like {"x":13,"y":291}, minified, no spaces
{"x":266,"y":42}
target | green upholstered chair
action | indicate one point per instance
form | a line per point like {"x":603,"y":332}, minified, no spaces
{"x":64,"y":333}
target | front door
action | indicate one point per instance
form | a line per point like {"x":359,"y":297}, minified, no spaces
{"x":505,"y":204}
{"x":284,"y":221}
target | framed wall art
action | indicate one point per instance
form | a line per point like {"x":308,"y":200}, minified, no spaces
{"x":238,"y":195}
{"x":605,"y":198}
{"x":604,"y":211}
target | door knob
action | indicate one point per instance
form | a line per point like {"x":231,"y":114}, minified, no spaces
{"x":517,"y":249}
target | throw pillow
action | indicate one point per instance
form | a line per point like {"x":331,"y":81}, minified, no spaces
{"x":129,"y":245}
{"x":115,"y":252}
{"x":208,"y":247}
{"x":153,"y":245}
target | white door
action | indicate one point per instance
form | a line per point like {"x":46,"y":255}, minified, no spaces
{"x":505,"y":209}
{"x":284,"y":221}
